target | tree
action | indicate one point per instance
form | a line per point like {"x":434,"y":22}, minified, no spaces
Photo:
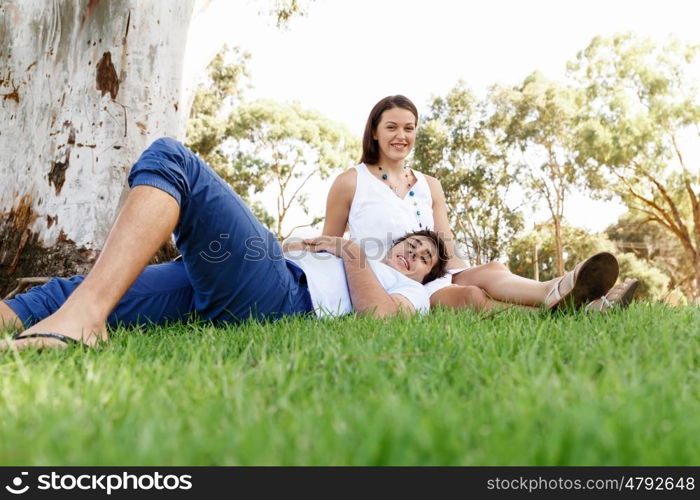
{"x":287,"y":146}
{"x":537,"y":118}
{"x":85,"y":87}
{"x":653,"y":281}
{"x":640,"y":99}
{"x":580,"y":244}
{"x":254,"y":144}
{"x":285,"y":10}
{"x":214,"y":98}
{"x":456,"y":145}
{"x":652,"y":243}
{"x":222,"y":91}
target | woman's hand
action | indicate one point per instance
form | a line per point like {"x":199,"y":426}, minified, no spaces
{"x":293,"y":246}
{"x":334,"y":245}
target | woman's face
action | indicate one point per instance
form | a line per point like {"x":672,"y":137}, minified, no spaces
{"x":395,"y":134}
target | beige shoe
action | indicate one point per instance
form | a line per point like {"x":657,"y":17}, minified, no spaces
{"x":589,"y":280}
{"x":619,"y":296}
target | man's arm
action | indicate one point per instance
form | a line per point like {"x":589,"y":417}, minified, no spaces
{"x":367,"y":294}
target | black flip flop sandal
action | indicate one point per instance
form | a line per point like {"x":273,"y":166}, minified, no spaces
{"x":57,"y":336}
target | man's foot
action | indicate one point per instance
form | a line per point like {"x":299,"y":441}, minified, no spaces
{"x":49,"y":332}
{"x":56,"y":336}
{"x":589,"y":280}
{"x":619,"y":296}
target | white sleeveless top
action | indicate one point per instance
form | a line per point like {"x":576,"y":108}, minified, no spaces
{"x":378,"y":216}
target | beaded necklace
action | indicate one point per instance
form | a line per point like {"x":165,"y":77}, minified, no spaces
{"x":411,"y":194}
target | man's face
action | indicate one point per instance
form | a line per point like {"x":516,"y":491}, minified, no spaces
{"x":413,"y":257}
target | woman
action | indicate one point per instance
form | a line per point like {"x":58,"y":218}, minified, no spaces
{"x":382,"y":197}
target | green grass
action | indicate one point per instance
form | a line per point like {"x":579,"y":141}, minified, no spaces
{"x":446,"y":389}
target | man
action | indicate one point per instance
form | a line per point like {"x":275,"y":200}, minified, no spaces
{"x":232,"y":268}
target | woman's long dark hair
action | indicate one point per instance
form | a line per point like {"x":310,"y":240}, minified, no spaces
{"x":370,"y":147}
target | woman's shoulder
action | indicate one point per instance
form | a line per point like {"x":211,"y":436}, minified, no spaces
{"x":347,"y":179}
{"x":435,"y":187}
{"x":429,"y":178}
{"x":345,"y":184}
{"x":433,"y":183}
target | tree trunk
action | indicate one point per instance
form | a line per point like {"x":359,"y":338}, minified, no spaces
{"x":86,"y":85}
{"x":536,"y":264}
{"x":558,"y":246}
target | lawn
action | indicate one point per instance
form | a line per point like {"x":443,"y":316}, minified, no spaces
{"x":452,"y":388}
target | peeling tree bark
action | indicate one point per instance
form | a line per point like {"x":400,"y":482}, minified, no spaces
{"x":86,"y":85}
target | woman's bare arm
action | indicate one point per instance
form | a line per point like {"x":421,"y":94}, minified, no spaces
{"x":442,"y":223}
{"x":338,"y":203}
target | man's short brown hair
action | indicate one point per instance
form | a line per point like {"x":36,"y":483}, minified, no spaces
{"x":440,"y":267}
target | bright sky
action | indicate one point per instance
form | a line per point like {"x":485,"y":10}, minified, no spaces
{"x":343,"y":56}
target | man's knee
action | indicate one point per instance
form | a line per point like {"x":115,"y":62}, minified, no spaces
{"x":167,"y":148}
{"x":167,"y":144}
{"x":166,"y":164}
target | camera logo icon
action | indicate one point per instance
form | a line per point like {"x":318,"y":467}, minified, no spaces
{"x":17,"y":483}
{"x":216,"y":256}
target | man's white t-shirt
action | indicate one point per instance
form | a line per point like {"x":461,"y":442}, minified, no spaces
{"x":328,"y":285}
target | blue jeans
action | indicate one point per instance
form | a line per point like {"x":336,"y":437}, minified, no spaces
{"x":232,"y":267}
